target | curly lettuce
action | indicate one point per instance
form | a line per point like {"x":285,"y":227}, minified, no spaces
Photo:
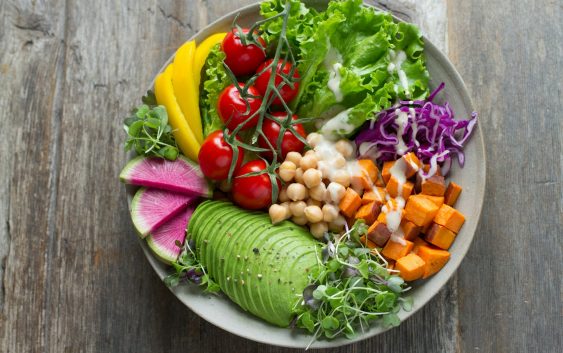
{"x":353,"y":60}
{"x":215,"y":80}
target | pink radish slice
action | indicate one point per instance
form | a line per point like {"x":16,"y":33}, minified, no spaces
{"x":163,"y":241}
{"x":181,"y":175}
{"x":151,"y":208}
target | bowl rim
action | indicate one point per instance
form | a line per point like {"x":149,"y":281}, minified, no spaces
{"x":427,"y":295}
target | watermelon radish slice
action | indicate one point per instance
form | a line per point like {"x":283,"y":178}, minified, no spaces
{"x":162,"y":241}
{"x":151,"y":208}
{"x":181,"y":175}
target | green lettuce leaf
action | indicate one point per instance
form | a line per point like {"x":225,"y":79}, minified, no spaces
{"x":215,"y":80}
{"x":344,"y":60}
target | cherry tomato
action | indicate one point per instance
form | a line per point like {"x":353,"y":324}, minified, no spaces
{"x":286,"y":91}
{"x":242,"y":59}
{"x":289,"y":141}
{"x":252,"y":192}
{"x":216,"y":155}
{"x":232,"y":107}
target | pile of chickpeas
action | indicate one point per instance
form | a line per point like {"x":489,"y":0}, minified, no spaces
{"x":313,"y":187}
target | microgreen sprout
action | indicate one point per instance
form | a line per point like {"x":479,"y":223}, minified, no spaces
{"x":148,"y":130}
{"x":188,"y":269}
{"x":351,"y":288}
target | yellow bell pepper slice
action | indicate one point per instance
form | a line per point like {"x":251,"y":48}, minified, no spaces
{"x":187,"y":93}
{"x":202,"y":52}
{"x":184,"y":136}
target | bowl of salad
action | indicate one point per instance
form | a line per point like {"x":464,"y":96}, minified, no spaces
{"x":305,"y":173}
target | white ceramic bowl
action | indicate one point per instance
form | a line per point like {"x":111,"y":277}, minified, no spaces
{"x":220,"y":311}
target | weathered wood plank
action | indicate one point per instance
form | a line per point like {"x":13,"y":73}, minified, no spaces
{"x":509,"y":54}
{"x":31,"y":65}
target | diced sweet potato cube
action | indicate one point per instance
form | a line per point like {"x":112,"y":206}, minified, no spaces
{"x":433,"y":186}
{"x":350,"y":203}
{"x":418,"y":242}
{"x":368,"y":243}
{"x":420,"y":211}
{"x":393,"y":188}
{"x":425,"y":169}
{"x":360,"y":182}
{"x":369,"y":168}
{"x":410,"y":267}
{"x":426,"y":228}
{"x":378,"y":233}
{"x":375,"y":194}
{"x":434,"y":259}
{"x":450,"y":218}
{"x":452,"y":193}
{"x":438,"y":200}
{"x":395,"y":250}
{"x":413,"y":164}
{"x":410,"y":230}
{"x":386,"y":171}
{"x":369,"y":212}
{"x":440,"y":236}
{"x":390,"y":206}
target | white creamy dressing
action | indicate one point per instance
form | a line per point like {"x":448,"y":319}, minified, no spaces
{"x":338,"y":125}
{"x":333,"y":63}
{"x":402,"y":120}
{"x":396,"y":61}
{"x":414,"y":125}
{"x":393,"y":216}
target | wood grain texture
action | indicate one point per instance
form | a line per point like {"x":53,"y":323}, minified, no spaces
{"x":510,"y":290}
{"x":73,"y":278}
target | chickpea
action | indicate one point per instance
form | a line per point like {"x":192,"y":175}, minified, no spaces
{"x":297,"y":208}
{"x":277,"y":213}
{"x":294,"y":157}
{"x":308,"y":162}
{"x":299,"y":175}
{"x":287,"y":171}
{"x":285,"y":205}
{"x":282,"y":197}
{"x":312,"y":177}
{"x":300,"y":220}
{"x":310,"y":153}
{"x":335,"y":191}
{"x":339,"y":161}
{"x":297,"y":192}
{"x":312,"y":202}
{"x":345,"y":148}
{"x":324,"y":168}
{"x":330,"y":213}
{"x":225,"y":186}
{"x":318,"y":192}
{"x":318,"y":230}
{"x":313,"y":214}
{"x":313,"y":139}
{"x":341,"y":177}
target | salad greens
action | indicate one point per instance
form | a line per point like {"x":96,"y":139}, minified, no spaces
{"x":148,"y":130}
{"x":351,"y":289}
{"x":215,"y":80}
{"x":351,"y":57}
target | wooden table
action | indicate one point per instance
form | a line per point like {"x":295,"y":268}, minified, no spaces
{"x":73,"y":277}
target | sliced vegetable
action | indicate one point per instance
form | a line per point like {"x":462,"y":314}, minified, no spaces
{"x":410,"y":267}
{"x":181,"y":175}
{"x":182,"y":132}
{"x":202,"y":51}
{"x":450,"y":218}
{"x":150,"y":208}
{"x":421,"y":126}
{"x":166,"y":242}
{"x":434,"y":259}
{"x":185,"y":88}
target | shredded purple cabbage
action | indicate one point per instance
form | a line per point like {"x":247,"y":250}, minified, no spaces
{"x":432,"y":133}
